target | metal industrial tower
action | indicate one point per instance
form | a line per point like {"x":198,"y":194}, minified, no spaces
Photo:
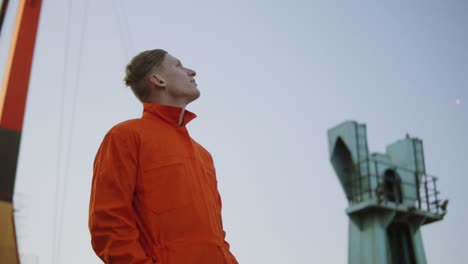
{"x":390,"y":196}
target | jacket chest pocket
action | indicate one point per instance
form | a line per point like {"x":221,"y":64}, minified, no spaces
{"x":167,"y":187}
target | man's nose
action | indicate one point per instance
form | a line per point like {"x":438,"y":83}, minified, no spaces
{"x":191,"y":73}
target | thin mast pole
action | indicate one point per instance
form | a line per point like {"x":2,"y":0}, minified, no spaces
{"x":3,"y":8}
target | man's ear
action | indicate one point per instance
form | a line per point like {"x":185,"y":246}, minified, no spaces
{"x":157,"y":80}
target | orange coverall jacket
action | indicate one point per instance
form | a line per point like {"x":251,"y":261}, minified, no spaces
{"x":154,"y":196}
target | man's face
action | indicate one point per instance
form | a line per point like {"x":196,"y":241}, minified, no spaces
{"x":179,"y":80}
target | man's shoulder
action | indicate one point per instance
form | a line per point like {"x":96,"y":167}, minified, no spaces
{"x":203,"y":150}
{"x":127,"y":128}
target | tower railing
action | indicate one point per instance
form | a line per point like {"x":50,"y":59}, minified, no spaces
{"x":366,"y":183}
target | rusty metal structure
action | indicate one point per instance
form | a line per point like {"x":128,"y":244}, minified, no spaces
{"x":13,"y":95}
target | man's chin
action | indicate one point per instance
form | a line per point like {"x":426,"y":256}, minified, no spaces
{"x":193,"y":97}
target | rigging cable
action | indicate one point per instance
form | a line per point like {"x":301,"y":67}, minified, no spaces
{"x":124,"y":31}
{"x":119,"y":25}
{"x":124,"y":34}
{"x":127,"y":27}
{"x":59,"y":226}
{"x":60,"y":136}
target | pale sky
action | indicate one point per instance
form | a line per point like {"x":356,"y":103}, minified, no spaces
{"x":274,"y":76}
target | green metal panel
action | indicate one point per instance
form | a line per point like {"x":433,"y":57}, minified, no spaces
{"x":390,"y":196}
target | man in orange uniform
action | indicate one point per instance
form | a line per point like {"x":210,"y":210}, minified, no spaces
{"x":154,"y":196}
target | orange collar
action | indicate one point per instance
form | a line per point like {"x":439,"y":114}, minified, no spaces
{"x":170,"y":114}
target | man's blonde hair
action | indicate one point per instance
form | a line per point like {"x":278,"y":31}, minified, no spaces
{"x":139,"y":67}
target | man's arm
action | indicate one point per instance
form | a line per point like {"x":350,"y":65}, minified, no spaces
{"x":226,"y":244}
{"x":112,"y":219}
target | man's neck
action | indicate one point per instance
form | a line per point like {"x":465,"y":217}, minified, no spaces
{"x":173,"y":103}
{"x":168,"y":101}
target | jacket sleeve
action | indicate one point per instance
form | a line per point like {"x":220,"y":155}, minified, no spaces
{"x":225,"y":243}
{"x":112,"y":219}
